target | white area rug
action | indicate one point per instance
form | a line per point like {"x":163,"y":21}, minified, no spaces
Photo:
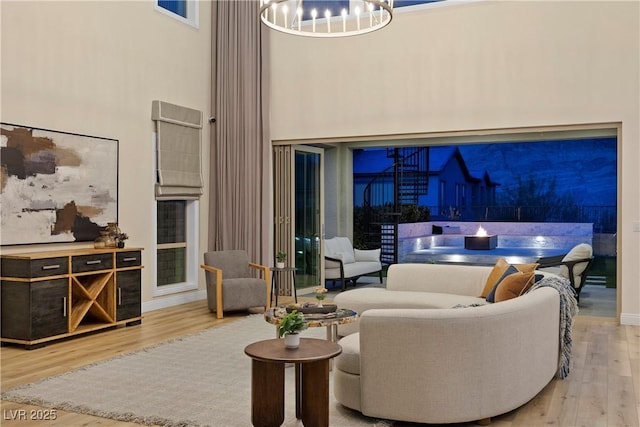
{"x":199,"y":380}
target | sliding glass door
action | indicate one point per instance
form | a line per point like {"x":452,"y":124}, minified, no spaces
{"x":308,"y":216}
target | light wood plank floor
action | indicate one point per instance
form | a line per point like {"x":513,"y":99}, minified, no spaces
{"x":603,"y":388}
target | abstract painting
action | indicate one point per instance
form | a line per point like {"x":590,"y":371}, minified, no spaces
{"x":55,"y":186}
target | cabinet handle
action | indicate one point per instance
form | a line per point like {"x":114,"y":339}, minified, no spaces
{"x":119,"y":296}
{"x":50,"y":267}
{"x":64,"y":306}
{"x":96,"y":261}
{"x":129,"y":259}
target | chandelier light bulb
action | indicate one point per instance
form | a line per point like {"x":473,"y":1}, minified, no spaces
{"x":285,"y":9}
{"x":309,"y":23}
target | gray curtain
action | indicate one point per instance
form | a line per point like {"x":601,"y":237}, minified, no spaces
{"x":240,"y":150}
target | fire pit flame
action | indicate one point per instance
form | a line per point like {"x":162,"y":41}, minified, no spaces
{"x":481,"y":232}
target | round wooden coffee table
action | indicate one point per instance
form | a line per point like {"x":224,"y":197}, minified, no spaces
{"x":311,"y":360}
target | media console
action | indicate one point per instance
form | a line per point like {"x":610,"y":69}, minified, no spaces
{"x":51,"y":295}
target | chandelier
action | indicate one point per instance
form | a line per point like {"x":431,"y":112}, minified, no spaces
{"x":293,"y":17}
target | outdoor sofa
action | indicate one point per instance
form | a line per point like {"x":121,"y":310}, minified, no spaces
{"x":344,"y":263}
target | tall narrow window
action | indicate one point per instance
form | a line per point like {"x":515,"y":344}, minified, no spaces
{"x":172,"y":242}
{"x":178,"y":187}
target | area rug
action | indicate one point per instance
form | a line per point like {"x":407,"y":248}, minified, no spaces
{"x":199,"y":380}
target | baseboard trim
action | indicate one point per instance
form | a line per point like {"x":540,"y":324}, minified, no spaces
{"x":630,"y":319}
{"x":173,"y":300}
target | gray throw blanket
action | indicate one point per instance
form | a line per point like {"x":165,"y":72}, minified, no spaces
{"x":568,"y":309}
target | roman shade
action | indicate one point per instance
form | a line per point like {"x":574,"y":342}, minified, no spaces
{"x":178,"y":162}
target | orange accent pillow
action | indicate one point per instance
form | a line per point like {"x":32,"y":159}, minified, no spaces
{"x":495,"y":275}
{"x":526,"y":268}
{"x":514,"y":285}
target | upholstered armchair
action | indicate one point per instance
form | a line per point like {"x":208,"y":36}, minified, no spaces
{"x":573,"y":266}
{"x":230,"y":283}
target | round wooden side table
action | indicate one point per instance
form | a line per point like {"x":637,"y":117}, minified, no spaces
{"x":311,"y":361}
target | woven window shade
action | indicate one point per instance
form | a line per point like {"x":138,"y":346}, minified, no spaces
{"x":179,"y":166}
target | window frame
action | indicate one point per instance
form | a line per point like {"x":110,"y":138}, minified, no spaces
{"x":191,"y":248}
{"x":193,"y":11}
{"x":192,"y":219}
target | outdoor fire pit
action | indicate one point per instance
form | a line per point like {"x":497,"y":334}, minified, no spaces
{"x":481,"y":241}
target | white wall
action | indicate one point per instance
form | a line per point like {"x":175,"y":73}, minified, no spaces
{"x":476,"y":67}
{"x":94,"y":67}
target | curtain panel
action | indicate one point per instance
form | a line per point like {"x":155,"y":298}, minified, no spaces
{"x":240,"y":150}
{"x":179,"y":135}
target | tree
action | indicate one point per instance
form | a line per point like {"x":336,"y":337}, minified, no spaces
{"x":537,"y":200}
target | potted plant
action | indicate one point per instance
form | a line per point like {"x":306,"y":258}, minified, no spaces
{"x":120,"y":238}
{"x":290,"y":327}
{"x":281,"y":257}
{"x":320,"y":294}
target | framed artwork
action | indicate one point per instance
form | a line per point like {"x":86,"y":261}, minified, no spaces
{"x":55,"y":186}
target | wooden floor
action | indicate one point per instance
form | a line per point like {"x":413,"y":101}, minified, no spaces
{"x":603,"y":388}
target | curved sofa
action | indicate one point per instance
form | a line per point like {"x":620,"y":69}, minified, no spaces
{"x":441,"y":364}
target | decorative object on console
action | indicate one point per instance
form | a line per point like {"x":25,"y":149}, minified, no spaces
{"x":111,"y":237}
{"x":58,"y":186}
{"x":311,"y":22}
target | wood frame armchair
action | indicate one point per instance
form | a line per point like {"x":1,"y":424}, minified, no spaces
{"x":236,"y":279}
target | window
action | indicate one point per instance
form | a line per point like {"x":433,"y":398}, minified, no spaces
{"x":179,"y":7}
{"x":178,"y":186}
{"x":183,"y":10}
{"x":172,"y":242}
{"x":403,"y":3}
{"x":176,"y":246}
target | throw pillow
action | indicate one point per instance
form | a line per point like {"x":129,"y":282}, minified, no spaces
{"x":450,"y":229}
{"x":495,"y":274}
{"x":527,"y":268}
{"x":513,"y":286}
{"x":491,"y":297}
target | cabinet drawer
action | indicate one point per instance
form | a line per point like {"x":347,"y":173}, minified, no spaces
{"x":128,"y":259}
{"x":94,"y":262}
{"x":34,"y":268}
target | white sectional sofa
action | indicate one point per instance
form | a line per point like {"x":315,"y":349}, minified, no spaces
{"x":418,"y":359}
{"x":343,"y":262}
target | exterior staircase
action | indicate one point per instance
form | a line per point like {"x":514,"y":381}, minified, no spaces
{"x":401,"y":184}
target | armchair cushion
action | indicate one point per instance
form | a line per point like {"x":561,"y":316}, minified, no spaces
{"x":234,"y":264}
{"x":243,"y":293}
{"x":367,"y":255}
{"x":582,"y":251}
{"x":340,"y":248}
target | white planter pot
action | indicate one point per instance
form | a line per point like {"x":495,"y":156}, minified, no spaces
{"x":292,"y":340}
{"x":279,"y":264}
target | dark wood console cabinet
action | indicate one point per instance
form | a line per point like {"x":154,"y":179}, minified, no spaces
{"x":52,"y":295}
